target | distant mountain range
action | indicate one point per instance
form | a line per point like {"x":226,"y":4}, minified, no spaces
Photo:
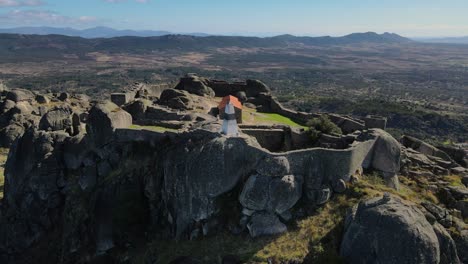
{"x":106,"y":32}
{"x":450,"y":40}
{"x":96,"y":32}
{"x":24,"y":47}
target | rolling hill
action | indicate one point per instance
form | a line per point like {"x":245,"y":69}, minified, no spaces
{"x":21,"y":47}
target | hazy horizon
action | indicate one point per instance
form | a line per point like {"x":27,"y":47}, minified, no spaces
{"x":417,"y":19}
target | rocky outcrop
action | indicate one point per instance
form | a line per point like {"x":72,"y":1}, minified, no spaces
{"x":274,"y":194}
{"x":365,"y":241}
{"x":265,"y":224}
{"x":61,"y":118}
{"x":104,"y":118}
{"x":22,"y":109}
{"x":19,"y":95}
{"x":458,"y":154}
{"x":386,"y":159}
{"x":423,"y":147}
{"x":195,"y":85}
{"x":93,"y":189}
{"x":256,"y":87}
{"x":137,"y":108}
{"x":176,"y":99}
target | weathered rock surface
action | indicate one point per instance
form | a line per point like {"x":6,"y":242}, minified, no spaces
{"x":137,"y":108}
{"x":423,"y":147}
{"x":92,"y":189}
{"x":274,"y":166}
{"x":256,"y":87}
{"x":10,"y":133}
{"x":402,"y":235}
{"x":264,"y":224}
{"x":461,"y":241}
{"x":176,"y":99}
{"x":104,"y":118}
{"x":42,"y":99}
{"x":276,"y":195}
{"x":61,"y":118}
{"x":195,"y":85}
{"x":386,"y":158}
{"x":19,"y":95}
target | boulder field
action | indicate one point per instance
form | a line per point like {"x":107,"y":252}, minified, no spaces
{"x":81,"y":194}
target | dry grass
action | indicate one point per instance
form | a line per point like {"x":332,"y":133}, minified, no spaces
{"x":313,"y":239}
{"x":3,"y":158}
{"x":153,"y":128}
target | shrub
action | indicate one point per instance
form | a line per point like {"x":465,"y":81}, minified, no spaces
{"x":320,"y":125}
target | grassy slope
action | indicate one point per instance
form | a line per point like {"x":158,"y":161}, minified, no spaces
{"x":315,"y":239}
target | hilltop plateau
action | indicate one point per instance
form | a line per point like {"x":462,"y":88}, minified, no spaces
{"x":150,"y":174}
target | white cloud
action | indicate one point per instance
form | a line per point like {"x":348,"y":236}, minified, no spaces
{"x":38,"y":17}
{"x":16,"y":3}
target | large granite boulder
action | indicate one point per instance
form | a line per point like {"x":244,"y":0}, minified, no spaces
{"x":23,"y":108}
{"x":42,"y":99}
{"x":448,"y":248}
{"x":195,"y":85}
{"x":32,"y":195}
{"x":461,"y":241}
{"x":273,"y":194}
{"x":10,"y":133}
{"x":18,"y":95}
{"x":386,"y":157}
{"x":176,"y":99}
{"x":256,"y":87}
{"x":6,"y":105}
{"x":103,"y":119}
{"x":273,"y":166}
{"x":388,"y":230}
{"x":264,"y":224}
{"x":137,"y":108}
{"x":60,"y":118}
{"x":198,"y":171}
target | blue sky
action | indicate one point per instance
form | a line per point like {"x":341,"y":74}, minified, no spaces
{"x":413,"y":18}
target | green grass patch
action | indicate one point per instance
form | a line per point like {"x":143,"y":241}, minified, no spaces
{"x":153,"y":128}
{"x":454,"y":180}
{"x":251,"y":116}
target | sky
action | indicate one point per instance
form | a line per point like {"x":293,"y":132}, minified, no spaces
{"x":411,"y":18}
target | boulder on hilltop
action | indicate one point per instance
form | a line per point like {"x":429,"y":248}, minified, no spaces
{"x":176,"y":99}
{"x":388,"y":230}
{"x":195,"y":85}
{"x":61,"y":118}
{"x":104,"y":118}
{"x":18,"y":95}
{"x":256,"y":87}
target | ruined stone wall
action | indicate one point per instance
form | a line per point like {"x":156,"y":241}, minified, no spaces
{"x":375,"y":122}
{"x":128,"y":94}
{"x":277,"y":138}
{"x":157,"y":89}
{"x":271,"y":139}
